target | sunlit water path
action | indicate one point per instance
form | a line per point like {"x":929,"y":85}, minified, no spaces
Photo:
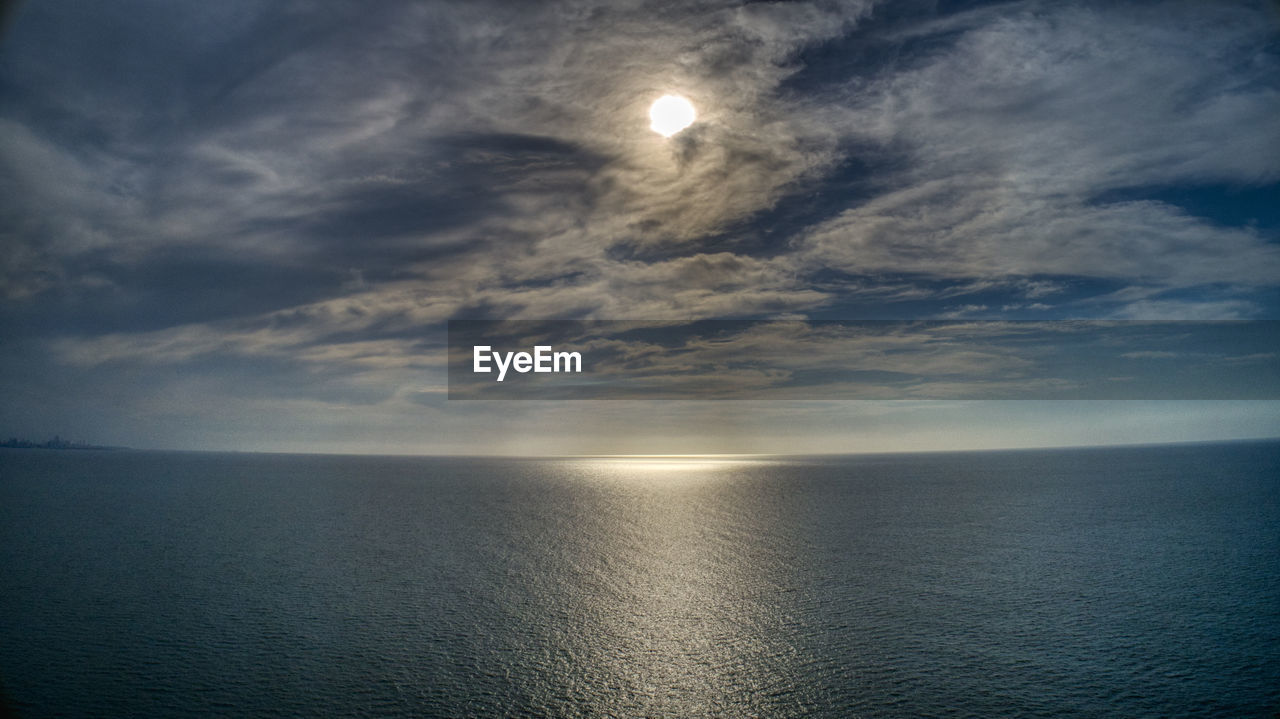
{"x":1100,"y":582}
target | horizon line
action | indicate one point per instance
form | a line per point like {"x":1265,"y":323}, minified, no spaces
{"x":695,"y":455}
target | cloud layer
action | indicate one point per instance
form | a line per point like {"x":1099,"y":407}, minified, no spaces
{"x":262,"y":192}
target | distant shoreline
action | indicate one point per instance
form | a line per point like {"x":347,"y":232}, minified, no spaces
{"x":55,"y":443}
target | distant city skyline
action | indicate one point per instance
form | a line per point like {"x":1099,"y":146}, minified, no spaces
{"x":245,"y":225}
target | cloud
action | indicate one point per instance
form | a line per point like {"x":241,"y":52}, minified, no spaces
{"x":497,"y":142}
{"x":1187,"y":310}
{"x":318,"y":185}
{"x":1019,"y":125}
{"x":505,"y":144}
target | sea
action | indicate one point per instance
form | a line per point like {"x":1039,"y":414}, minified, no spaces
{"x":1097,"y":582}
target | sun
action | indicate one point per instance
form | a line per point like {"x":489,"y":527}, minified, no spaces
{"x":671,"y":114}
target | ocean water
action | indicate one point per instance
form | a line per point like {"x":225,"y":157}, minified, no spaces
{"x":1124,"y":582}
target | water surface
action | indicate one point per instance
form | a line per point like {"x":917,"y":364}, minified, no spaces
{"x":1098,"y":582}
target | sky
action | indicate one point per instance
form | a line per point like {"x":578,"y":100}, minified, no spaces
{"x":244,"y":225}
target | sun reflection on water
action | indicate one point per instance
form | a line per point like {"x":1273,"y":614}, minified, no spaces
{"x":657,"y":463}
{"x":678,"y":590}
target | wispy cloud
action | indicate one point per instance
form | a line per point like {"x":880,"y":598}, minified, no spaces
{"x":1030,"y":116}
{"x":324,"y":183}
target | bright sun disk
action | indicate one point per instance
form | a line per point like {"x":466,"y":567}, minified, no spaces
{"x":671,"y":114}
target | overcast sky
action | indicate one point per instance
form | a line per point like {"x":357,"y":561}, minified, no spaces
{"x":243,"y":224}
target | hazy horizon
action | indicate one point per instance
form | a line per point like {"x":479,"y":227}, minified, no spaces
{"x":1119,"y":443}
